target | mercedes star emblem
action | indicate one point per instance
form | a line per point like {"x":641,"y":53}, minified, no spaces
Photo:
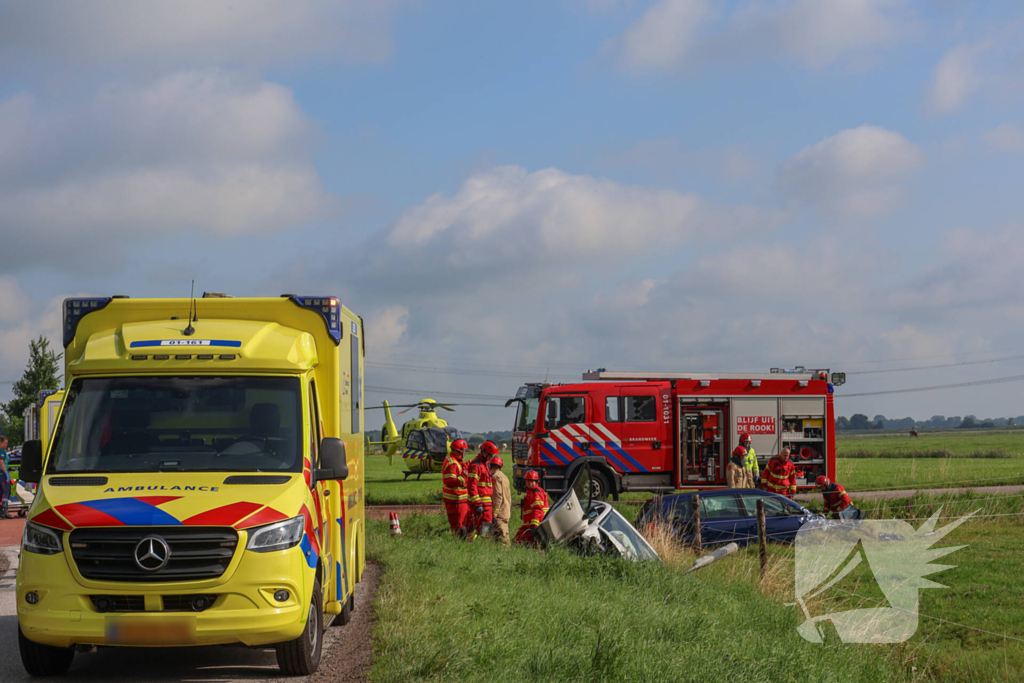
{"x":152,"y":553}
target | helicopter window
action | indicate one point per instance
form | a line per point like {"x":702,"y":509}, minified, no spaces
{"x":453,"y":433}
{"x":417,"y":440}
{"x":565,"y":410}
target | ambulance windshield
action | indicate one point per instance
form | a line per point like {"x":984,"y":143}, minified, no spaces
{"x":175,"y":424}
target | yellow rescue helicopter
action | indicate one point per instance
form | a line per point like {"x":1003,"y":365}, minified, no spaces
{"x":424,"y":441}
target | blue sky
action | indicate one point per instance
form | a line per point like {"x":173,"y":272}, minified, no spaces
{"x":508,"y":190}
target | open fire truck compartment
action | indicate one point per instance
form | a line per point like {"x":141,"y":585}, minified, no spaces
{"x":658,"y":431}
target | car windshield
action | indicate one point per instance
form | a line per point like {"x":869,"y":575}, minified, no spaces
{"x":149,"y":424}
{"x":526,"y":418}
{"x":623,"y":532}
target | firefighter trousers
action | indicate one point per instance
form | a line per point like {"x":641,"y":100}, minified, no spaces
{"x":500,"y":531}
{"x":458,"y":514}
{"x":524,"y":536}
{"x":484,"y":517}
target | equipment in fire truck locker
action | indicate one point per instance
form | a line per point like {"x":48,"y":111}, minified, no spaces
{"x":804,"y":436}
{"x":703,"y":445}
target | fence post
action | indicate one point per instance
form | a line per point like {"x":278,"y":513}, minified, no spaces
{"x":762,"y":537}
{"x":695,"y":516}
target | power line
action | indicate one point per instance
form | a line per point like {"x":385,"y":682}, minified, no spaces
{"x":422,"y":392}
{"x":930,"y":367}
{"x":997,"y":380}
{"x":457,"y":371}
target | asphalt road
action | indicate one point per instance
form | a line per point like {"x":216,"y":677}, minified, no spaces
{"x":198,"y":664}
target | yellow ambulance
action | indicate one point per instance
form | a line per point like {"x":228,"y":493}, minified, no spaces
{"x":204,"y":484}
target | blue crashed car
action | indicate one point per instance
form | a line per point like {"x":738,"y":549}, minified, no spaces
{"x":727,"y":515}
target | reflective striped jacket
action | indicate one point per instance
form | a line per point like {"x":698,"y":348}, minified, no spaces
{"x":779,"y":477}
{"x":535,"y":506}
{"x":836,"y":499}
{"x":479,"y":484}
{"x":453,"y":480}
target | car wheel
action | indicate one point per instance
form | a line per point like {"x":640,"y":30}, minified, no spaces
{"x":301,"y":657}
{"x":44,"y":660}
{"x":599,"y":486}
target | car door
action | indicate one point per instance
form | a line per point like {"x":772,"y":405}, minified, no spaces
{"x":723,"y":519}
{"x":783,"y":517}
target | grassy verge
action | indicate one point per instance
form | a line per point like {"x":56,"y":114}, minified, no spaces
{"x":448,"y":610}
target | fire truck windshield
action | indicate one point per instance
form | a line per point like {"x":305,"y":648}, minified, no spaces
{"x":526,"y":417}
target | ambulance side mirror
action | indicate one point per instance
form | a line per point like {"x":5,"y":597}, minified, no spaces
{"x":333,"y":465}
{"x":31,"y":462}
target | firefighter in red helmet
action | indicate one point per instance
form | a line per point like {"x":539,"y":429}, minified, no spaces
{"x":535,"y":506}
{"x":736,"y":472}
{"x":750,"y":459}
{"x":480,"y":485}
{"x":837,"y":501}
{"x":779,"y":475}
{"x":453,"y":487}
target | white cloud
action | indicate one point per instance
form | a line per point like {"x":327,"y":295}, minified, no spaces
{"x":857,"y":172}
{"x":813,"y":33}
{"x":1007,"y":137}
{"x":953,"y":80}
{"x":209,"y":151}
{"x":385,"y":328}
{"x":197,"y":32}
{"x":664,"y":34}
{"x":551,"y":214}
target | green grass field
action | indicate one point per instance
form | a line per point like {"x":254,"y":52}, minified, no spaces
{"x":450,"y":610}
{"x":899,"y":467}
{"x":453,"y":611}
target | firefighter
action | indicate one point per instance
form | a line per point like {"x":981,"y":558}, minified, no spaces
{"x":479,"y":485}
{"x":736,"y":471}
{"x":837,"y":502}
{"x":453,"y":488}
{"x":779,"y":475}
{"x":502,"y":500}
{"x":750,"y":459}
{"x":535,"y":506}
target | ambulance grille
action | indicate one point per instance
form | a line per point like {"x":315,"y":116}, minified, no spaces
{"x":196,"y":553}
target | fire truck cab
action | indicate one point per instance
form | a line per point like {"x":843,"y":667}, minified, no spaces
{"x":646,"y":431}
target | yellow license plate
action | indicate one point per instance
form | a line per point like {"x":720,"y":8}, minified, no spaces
{"x":151,"y":631}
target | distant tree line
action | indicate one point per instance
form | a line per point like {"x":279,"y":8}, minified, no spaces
{"x":859,"y":421}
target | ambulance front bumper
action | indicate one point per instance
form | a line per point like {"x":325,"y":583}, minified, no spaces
{"x":243,"y":608}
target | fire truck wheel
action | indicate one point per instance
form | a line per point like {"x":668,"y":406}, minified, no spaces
{"x":599,"y":486}
{"x":301,"y":657}
{"x":44,"y":660}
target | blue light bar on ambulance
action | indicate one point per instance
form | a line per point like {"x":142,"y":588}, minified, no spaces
{"x":43,"y":395}
{"x":76,"y":309}
{"x":328,"y":307}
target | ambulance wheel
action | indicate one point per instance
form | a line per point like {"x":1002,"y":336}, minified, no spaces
{"x":301,"y":657}
{"x":599,"y":487}
{"x":44,"y":660}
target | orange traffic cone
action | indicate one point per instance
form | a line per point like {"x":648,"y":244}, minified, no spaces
{"x":396,"y":528}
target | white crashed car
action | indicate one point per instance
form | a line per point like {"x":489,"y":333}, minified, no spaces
{"x":592,"y":526}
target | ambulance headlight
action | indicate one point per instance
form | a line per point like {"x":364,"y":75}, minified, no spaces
{"x":278,"y":536}
{"x":39,"y":539}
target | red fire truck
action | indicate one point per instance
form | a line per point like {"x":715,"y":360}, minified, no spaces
{"x":652,"y":431}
